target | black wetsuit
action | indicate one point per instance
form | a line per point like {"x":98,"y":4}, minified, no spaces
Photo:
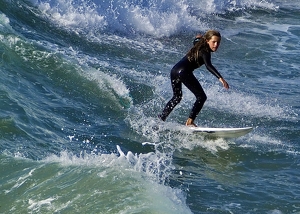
{"x":182,"y":72}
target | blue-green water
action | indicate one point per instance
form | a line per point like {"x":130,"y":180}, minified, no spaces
{"x":82,"y":83}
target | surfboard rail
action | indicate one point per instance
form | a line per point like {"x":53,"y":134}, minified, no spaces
{"x":222,"y":132}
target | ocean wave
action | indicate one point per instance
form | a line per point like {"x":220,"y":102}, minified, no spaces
{"x":154,"y":18}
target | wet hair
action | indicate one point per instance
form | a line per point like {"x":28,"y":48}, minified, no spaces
{"x":201,"y":44}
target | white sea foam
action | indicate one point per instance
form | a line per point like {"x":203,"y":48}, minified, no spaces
{"x":156,"y":18}
{"x":36,"y":205}
{"x":245,"y":104}
{"x":4,"y":21}
{"x":73,"y":14}
{"x":220,"y":6}
{"x":112,"y":85}
{"x":156,"y":165}
{"x":146,"y":172}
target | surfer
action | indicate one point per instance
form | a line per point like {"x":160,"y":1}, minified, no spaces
{"x":182,"y":72}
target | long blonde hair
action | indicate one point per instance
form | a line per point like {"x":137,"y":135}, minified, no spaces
{"x":194,"y":52}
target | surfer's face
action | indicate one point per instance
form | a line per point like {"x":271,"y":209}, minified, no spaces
{"x":214,"y":43}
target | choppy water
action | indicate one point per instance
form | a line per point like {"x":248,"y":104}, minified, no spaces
{"x":81,"y":85}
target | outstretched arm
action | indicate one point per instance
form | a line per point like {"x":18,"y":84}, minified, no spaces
{"x":213,"y":70}
{"x":209,"y":66}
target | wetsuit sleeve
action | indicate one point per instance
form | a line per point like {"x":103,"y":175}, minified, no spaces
{"x":206,"y":59}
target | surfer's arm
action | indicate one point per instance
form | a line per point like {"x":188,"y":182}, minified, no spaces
{"x":206,"y":59}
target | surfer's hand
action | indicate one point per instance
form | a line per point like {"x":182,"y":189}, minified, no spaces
{"x":225,"y":84}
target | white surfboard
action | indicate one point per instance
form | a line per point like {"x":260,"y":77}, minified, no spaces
{"x":222,"y":132}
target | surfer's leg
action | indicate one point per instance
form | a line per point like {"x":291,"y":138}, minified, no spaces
{"x":177,"y":96}
{"x":191,"y":82}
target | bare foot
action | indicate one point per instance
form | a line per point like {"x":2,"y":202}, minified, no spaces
{"x":190,"y":122}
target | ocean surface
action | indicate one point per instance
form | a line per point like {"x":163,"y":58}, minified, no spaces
{"x":82,"y":83}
